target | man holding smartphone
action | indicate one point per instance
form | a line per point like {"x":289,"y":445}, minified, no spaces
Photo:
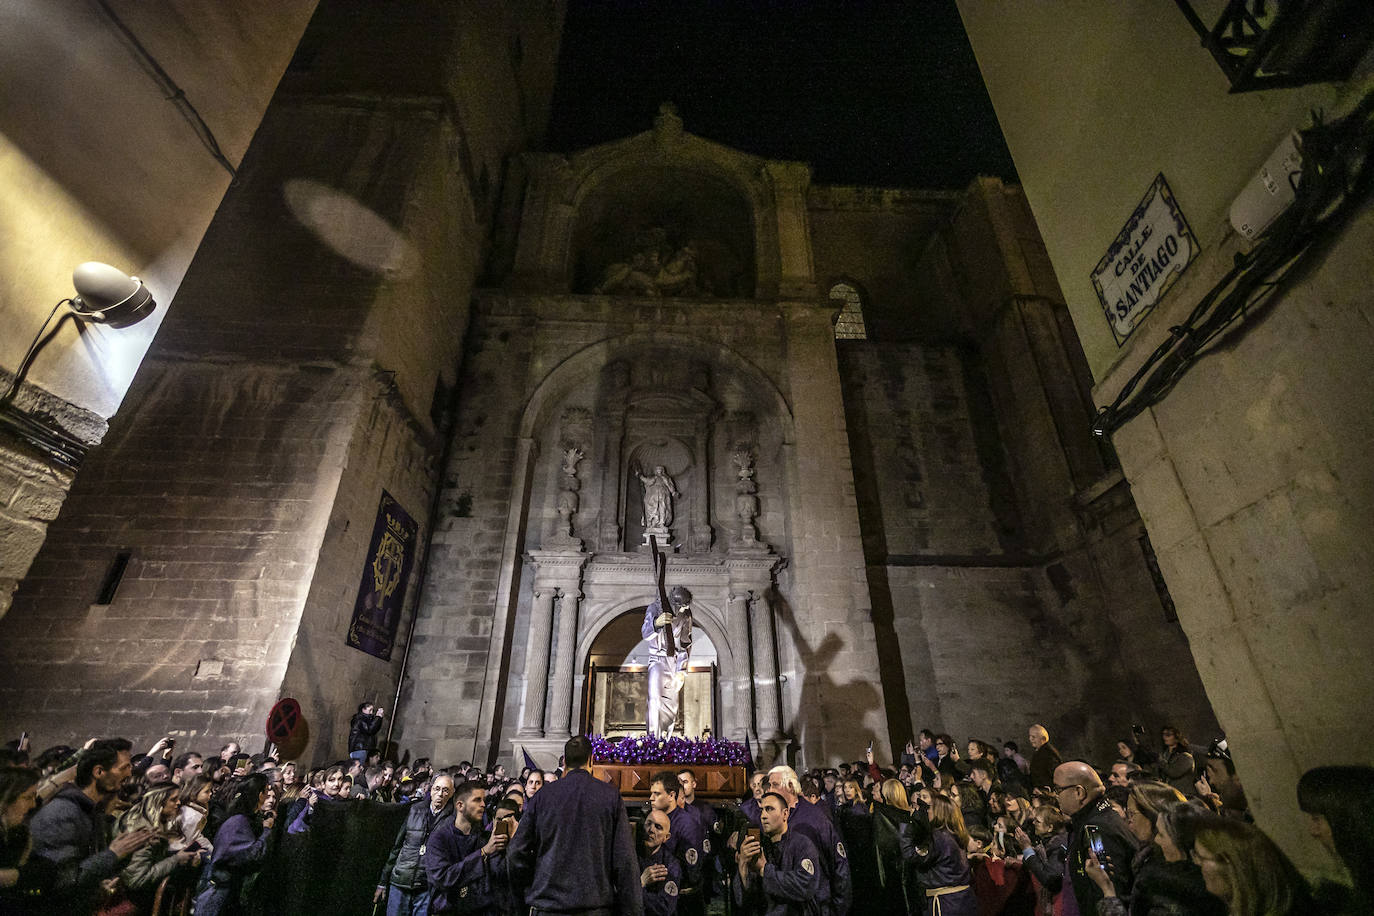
{"x":1094,"y":829}
{"x":457,"y":857}
{"x":777,"y":868}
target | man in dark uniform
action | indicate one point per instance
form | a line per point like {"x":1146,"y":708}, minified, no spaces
{"x":750,"y":806}
{"x":665,"y":794}
{"x":457,"y":858}
{"x":1083,"y":798}
{"x":573,"y":852}
{"x":660,"y":875}
{"x":709,"y":823}
{"x":812,"y":821}
{"x":778,"y":873}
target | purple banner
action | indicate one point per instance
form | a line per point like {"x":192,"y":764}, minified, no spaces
{"x":382,"y":592}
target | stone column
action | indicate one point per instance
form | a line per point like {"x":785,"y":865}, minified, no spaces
{"x":766,"y":708}
{"x":560,"y":708}
{"x":537,"y":662}
{"x":737,"y":630}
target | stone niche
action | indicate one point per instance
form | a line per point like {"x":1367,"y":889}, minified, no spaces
{"x":664,"y":231}
{"x":655,"y":406}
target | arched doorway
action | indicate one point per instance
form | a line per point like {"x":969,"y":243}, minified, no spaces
{"x":616,"y":702}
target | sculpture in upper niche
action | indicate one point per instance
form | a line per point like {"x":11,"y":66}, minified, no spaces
{"x":656,"y":269}
{"x":659,"y":491}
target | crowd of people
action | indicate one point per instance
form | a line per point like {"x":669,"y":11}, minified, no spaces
{"x":103,"y":830}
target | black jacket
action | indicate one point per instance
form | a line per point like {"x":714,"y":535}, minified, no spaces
{"x":362,"y":732}
{"x":70,"y":837}
{"x":1118,"y":844}
{"x":404,"y":867}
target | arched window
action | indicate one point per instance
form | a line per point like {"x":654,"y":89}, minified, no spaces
{"x":850,"y":324}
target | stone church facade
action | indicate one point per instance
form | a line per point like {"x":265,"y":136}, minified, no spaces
{"x":879,"y":533}
{"x":871,"y":402}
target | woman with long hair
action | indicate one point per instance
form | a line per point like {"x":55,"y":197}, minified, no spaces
{"x":854,"y":797}
{"x":193,"y":811}
{"x":240,"y":848}
{"x":1246,"y":870}
{"x":156,"y":810}
{"x":1176,"y":763}
{"x":1340,"y":802}
{"x":18,"y":796}
{"x":939,"y":856}
{"x":1166,"y":882}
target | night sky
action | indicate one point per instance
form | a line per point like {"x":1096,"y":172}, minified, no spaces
{"x":869,"y":93}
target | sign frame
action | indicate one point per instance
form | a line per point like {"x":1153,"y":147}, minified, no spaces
{"x":1144,"y":261}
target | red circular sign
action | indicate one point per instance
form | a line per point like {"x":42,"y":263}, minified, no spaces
{"x":284,"y":721}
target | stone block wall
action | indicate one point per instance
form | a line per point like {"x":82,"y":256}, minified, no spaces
{"x":1254,"y":481}
{"x":301,"y":370}
{"x":390,"y":451}
{"x":874,"y":237}
{"x":31,"y":492}
{"x":215,"y":480}
{"x":445,"y":691}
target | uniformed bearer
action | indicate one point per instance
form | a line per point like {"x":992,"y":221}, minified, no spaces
{"x":458,"y":858}
{"x":779,"y":870}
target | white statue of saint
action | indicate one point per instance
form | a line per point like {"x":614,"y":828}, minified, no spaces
{"x":659,"y":492}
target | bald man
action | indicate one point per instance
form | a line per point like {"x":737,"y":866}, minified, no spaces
{"x":1083,"y":798}
{"x":1045,"y":758}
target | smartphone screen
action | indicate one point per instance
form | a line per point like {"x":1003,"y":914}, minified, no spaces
{"x":1094,"y":836}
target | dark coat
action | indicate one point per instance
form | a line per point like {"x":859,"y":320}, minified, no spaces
{"x":944,"y":865}
{"x":685,"y":839}
{"x":660,"y":897}
{"x":69,"y":836}
{"x":833,"y":891}
{"x":573,"y":849}
{"x":404,"y":867}
{"x":460,"y":879}
{"x":789,"y":883}
{"x":1118,"y":844}
{"x":1164,"y":889}
{"x":362,"y":732}
{"x":240,"y":847}
{"x":1176,"y":767}
{"x":1042,"y":765}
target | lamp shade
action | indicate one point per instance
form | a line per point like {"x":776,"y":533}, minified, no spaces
{"x":110,"y":296}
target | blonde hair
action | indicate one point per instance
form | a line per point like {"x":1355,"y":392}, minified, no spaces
{"x":894,"y":793}
{"x":1263,"y":881}
{"x":147,"y":811}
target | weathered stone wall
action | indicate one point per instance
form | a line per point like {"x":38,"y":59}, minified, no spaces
{"x":992,"y":519}
{"x":1254,"y":480}
{"x":466,"y":684}
{"x":31,"y":492}
{"x":979,"y":635}
{"x":216,"y":480}
{"x":1252,"y":474}
{"x":874,"y":237}
{"x":302,"y":371}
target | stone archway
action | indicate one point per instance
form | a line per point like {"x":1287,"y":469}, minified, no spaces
{"x":732,"y":662}
{"x":613,"y":701}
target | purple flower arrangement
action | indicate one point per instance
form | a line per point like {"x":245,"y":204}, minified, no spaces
{"x":641,"y":749}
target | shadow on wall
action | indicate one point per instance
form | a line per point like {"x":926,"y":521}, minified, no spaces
{"x":822,"y":693}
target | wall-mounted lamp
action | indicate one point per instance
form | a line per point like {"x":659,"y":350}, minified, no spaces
{"x":110,"y":296}
{"x":104,"y":295}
